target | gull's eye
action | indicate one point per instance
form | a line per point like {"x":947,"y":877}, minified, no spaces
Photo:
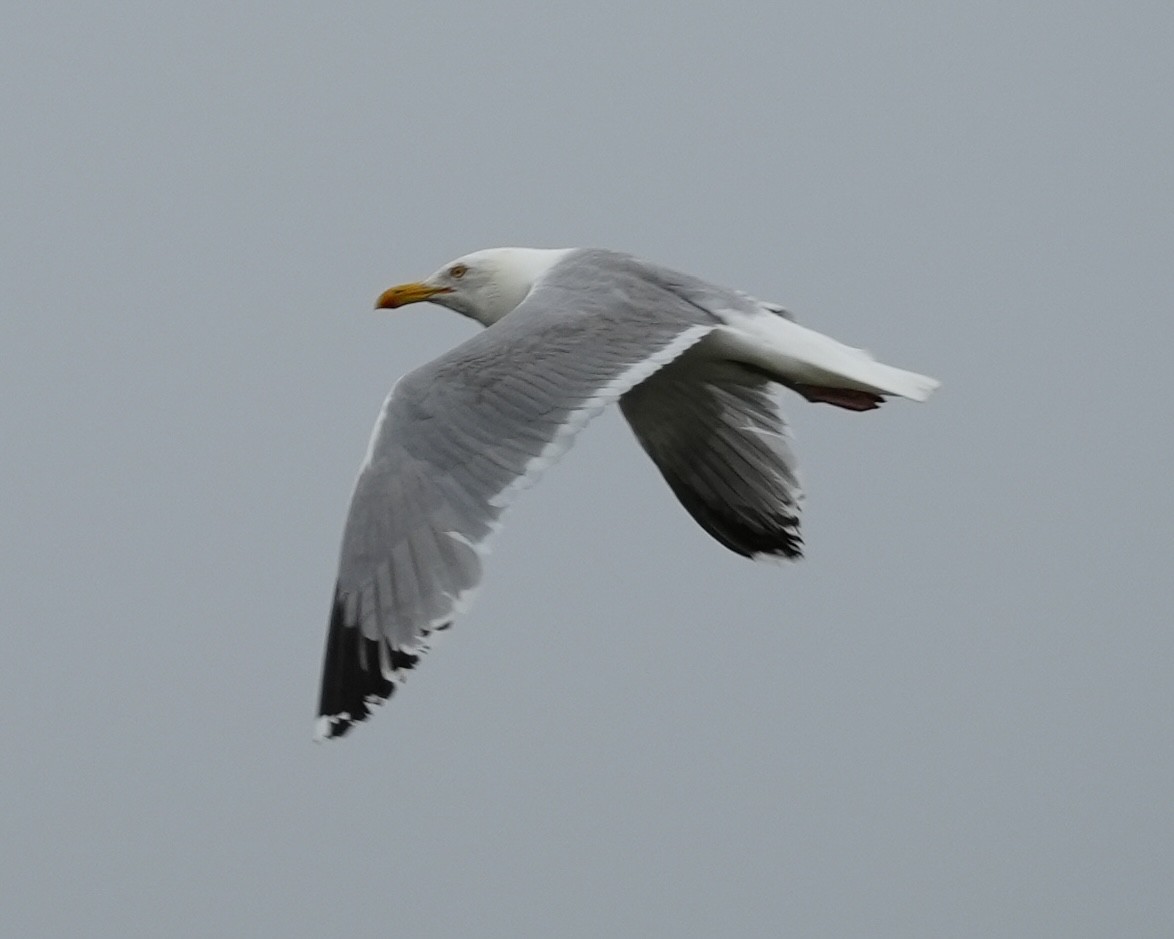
{"x":457,"y":271}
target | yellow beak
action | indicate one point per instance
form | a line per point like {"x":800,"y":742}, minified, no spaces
{"x":393,"y":297}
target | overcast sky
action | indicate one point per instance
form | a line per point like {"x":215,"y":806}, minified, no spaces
{"x":953,"y":719}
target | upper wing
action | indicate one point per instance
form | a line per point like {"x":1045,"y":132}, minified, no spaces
{"x":714,"y":430}
{"x":456,"y":440}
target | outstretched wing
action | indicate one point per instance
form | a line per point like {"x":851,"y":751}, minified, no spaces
{"x":455,"y":442}
{"x":715,"y":432}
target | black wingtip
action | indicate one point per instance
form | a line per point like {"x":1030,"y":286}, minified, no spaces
{"x":773,"y":536}
{"x":751,"y":533}
{"x":353,"y":680}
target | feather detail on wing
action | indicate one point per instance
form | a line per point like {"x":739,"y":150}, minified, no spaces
{"x":715,"y":432}
{"x":455,"y":442}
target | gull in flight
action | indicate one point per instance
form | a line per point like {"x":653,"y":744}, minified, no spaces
{"x":693,"y":367}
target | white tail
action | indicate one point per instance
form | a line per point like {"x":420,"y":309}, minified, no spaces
{"x":799,"y":355}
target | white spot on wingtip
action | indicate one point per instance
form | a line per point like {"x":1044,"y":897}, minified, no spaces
{"x":322,"y":727}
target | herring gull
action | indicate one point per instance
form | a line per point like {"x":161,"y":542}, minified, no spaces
{"x":570,"y":331}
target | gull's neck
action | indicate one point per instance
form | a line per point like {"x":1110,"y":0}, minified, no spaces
{"x":516,"y":271}
{"x":532,"y":263}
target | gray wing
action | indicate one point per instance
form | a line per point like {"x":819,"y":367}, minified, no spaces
{"x":715,"y":432}
{"x":454,"y":443}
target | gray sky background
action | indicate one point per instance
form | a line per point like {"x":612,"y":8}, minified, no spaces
{"x":953,"y":719}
